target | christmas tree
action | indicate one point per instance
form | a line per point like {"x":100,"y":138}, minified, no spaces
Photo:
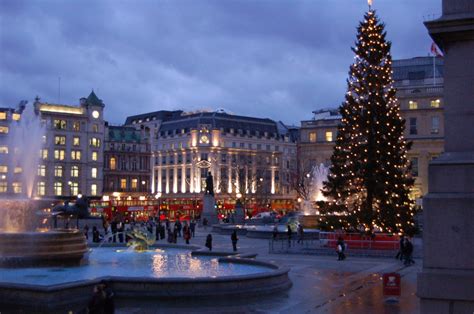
{"x":369,"y":181}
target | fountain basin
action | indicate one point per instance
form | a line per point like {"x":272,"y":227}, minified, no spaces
{"x":58,"y":247}
{"x":170,"y":273}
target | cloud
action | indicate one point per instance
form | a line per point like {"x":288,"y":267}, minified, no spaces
{"x":276,"y":59}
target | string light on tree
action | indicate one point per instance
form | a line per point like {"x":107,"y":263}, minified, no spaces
{"x":369,"y":181}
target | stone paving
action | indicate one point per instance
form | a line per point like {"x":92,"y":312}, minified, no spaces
{"x":321,"y":284}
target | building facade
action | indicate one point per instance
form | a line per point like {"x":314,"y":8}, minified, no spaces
{"x":419,"y":83}
{"x":127,"y":169}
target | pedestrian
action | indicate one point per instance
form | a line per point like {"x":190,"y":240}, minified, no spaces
{"x":86,"y":231}
{"x":162,"y":232}
{"x":178,"y":227}
{"x":401,"y":249}
{"x":186,"y":233}
{"x":97,"y":302}
{"x":288,"y":232}
{"x":300,"y":233}
{"x":120,"y":229}
{"x":408,"y":252}
{"x":204,"y":223}
{"x":95,"y":235}
{"x":170,"y":236}
{"x":113,"y":228}
{"x":175,"y":234}
{"x":209,"y":242}
{"x":192,"y":226}
{"x":341,"y":248}
{"x":234,"y":240}
{"x":275,"y":232}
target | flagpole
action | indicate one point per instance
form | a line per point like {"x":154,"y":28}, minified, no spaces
{"x":434,"y":70}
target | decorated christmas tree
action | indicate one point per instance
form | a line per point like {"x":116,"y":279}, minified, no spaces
{"x":369,"y":181}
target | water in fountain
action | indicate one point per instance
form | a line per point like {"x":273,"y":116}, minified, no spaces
{"x":24,"y":140}
{"x":318,"y":175}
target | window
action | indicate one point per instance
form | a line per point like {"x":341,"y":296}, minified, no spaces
{"x":95,"y":128}
{"x":75,"y":154}
{"x":93,"y":189}
{"x":58,"y":188}
{"x":58,"y":171}
{"x":3,"y":169}
{"x":328,"y":136}
{"x":94,"y":172}
{"x":412,"y":105}
{"x":41,"y":188}
{"x":435,"y":125}
{"x":18,"y":170}
{"x":413,"y":129}
{"x":76,"y":141}
{"x":59,"y":140}
{"x":74,"y":171}
{"x":113,"y":163}
{"x":42,"y":170}
{"x":76,"y":126}
{"x":59,"y":154}
{"x":95,"y":142}
{"x":3,"y":115}
{"x":3,"y":186}
{"x":204,"y":156}
{"x":74,"y":188}
{"x":94,"y":156}
{"x":123,"y":183}
{"x":3,"y":129}
{"x":134,"y":184}
{"x":3,"y":149}
{"x":16,"y":116}
{"x":59,"y":124}
{"x":43,"y":139}
{"x":16,"y":187}
{"x":44,"y":154}
{"x":414,"y":166}
{"x":435,"y":103}
{"x":312,"y":137}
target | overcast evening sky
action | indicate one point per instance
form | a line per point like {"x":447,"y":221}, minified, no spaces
{"x":264,"y":58}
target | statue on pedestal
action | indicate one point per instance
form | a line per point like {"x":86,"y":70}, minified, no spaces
{"x":209,"y":184}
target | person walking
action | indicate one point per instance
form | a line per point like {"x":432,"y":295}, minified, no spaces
{"x":209,"y":242}
{"x":186,"y":233}
{"x":300,"y":233}
{"x":234,"y":240}
{"x":408,"y":252}
{"x":192,"y":226}
{"x":95,"y":235}
{"x":275,"y":232}
{"x":178,"y":227}
{"x":341,"y":248}
{"x":86,"y":231}
{"x":288,"y":232}
{"x":401,"y":249}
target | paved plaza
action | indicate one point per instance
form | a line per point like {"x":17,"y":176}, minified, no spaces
{"x":321,"y":284}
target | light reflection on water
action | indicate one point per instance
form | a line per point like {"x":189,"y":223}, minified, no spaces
{"x":172,"y":263}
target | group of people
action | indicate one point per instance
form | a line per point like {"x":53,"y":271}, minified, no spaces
{"x":102,"y":300}
{"x":233,"y":238}
{"x":405,"y":253}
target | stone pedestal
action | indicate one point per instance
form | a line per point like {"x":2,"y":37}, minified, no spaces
{"x":239,"y":215}
{"x":446,"y":284}
{"x":209,"y":210}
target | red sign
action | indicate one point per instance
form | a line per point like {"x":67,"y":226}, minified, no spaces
{"x":391,"y":284}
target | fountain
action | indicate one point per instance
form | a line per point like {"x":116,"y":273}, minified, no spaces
{"x":24,"y":240}
{"x":317,"y":177}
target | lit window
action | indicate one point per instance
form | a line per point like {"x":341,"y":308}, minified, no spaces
{"x":44,"y":154}
{"x":94,"y":141}
{"x":435,"y":125}
{"x":58,"y":171}
{"x":94,"y":172}
{"x":312,"y":137}
{"x":42,"y":170}
{"x":44,"y":139}
{"x":123,"y":183}
{"x":3,"y":186}
{"x":3,"y":149}
{"x":75,"y":171}
{"x":58,"y":188}
{"x":94,"y":156}
{"x":59,"y":124}
{"x":134,"y":184}
{"x":75,"y":154}
{"x":76,"y":141}
{"x":59,"y":154}
{"x":76,"y":126}
{"x":74,"y":188}
{"x":328,"y":136}
{"x":3,"y":169}
{"x":18,"y":170}
{"x":412,"y":105}
{"x":41,"y":188}
{"x":60,"y":140}
{"x":113,"y":163}
{"x":95,"y":128}
{"x":3,"y":115}
{"x":16,"y":187}
{"x":93,"y":189}
{"x":16,"y":116}
{"x":435,"y":103}
{"x":3,"y":129}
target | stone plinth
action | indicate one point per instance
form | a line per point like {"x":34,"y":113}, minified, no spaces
{"x":309,"y":221}
{"x":446,"y":284}
{"x":239,"y":215}
{"x":209,"y":210}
